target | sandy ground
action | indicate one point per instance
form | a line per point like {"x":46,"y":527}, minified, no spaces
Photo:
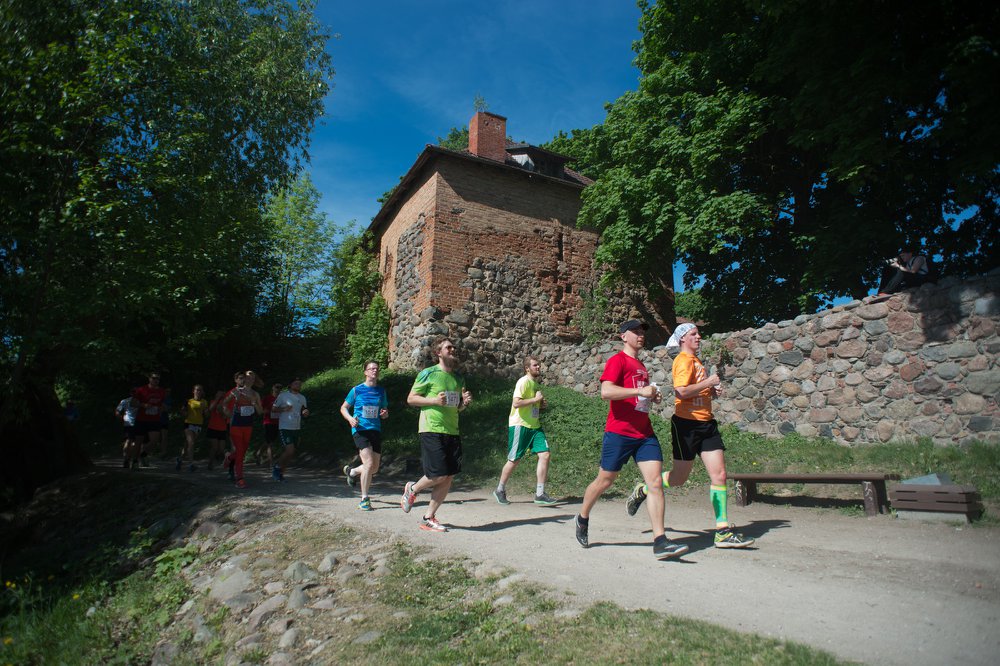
{"x":877,"y":590}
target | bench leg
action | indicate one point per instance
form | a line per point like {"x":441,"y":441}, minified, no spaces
{"x":740,"y":493}
{"x":744,"y":492}
{"x":871,"y":498}
{"x":882,"y":497}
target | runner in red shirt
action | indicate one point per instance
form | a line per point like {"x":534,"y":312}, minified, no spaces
{"x":629,"y":434}
{"x":241,"y":405}
{"x":151,"y":404}
{"x":218,"y":428}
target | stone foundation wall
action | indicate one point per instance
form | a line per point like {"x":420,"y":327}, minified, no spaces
{"x":920,"y":364}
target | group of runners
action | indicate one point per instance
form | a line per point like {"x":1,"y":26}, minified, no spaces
{"x":441,"y":394}
{"x":228,"y":421}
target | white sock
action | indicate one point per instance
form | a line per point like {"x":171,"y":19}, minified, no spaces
{"x":539,"y":489}
{"x":501,"y":487}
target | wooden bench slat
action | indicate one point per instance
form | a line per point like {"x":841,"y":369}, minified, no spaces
{"x":944,"y":507}
{"x":929,"y":496}
{"x":928,"y":488}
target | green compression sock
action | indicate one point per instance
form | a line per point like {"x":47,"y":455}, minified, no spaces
{"x":718,"y":496}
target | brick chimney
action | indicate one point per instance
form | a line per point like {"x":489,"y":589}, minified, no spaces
{"x":488,"y":136}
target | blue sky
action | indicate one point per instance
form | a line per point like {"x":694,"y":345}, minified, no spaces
{"x":407,"y":72}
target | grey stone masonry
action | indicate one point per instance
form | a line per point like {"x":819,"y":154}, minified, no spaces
{"x":922,"y":363}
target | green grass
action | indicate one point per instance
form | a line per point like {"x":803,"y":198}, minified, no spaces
{"x":453,"y":618}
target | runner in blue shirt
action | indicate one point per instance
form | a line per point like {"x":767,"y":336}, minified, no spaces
{"x":365,"y":406}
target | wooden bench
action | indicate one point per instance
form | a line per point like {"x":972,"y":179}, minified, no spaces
{"x":963,"y":500}
{"x":872,"y":486}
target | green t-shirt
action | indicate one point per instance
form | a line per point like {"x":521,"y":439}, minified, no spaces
{"x":525,"y":389}
{"x":439,"y":418}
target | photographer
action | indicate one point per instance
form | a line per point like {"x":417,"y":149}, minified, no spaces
{"x":903,"y":272}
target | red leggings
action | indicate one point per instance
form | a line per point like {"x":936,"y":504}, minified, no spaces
{"x":241,"y":442}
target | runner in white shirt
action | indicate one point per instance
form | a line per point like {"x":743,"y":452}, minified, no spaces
{"x":290,"y":406}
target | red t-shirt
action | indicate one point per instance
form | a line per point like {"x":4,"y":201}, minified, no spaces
{"x":152,"y":400}
{"x":267,"y":402}
{"x":216,"y":418}
{"x":623,"y":419}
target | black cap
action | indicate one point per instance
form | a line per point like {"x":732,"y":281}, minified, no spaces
{"x":631,"y":325}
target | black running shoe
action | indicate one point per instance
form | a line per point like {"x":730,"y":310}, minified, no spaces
{"x":665,"y":549}
{"x":635,"y":499}
{"x":581,"y":533}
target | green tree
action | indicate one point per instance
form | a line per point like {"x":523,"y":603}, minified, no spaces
{"x":369,"y":341}
{"x":138,"y":140}
{"x":457,"y":139}
{"x":782,"y":150}
{"x":353,"y":280}
{"x":302,"y":248}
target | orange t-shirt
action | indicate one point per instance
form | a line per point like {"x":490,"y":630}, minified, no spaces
{"x":688,"y":370}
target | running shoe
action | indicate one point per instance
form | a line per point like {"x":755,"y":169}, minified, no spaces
{"x":727,"y":538}
{"x":409,"y":497}
{"x":666,"y":549}
{"x":581,"y":533}
{"x":432,"y":525}
{"x":177,"y":466}
{"x":635,"y":499}
{"x":365,"y":504}
{"x":545,"y":500}
{"x":241,"y":484}
{"x":351,"y":480}
{"x":501,"y":496}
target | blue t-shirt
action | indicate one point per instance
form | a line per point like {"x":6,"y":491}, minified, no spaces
{"x":365,"y":403}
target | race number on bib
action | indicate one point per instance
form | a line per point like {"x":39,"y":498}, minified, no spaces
{"x":246,"y":410}
{"x":452,"y":398}
{"x":369,"y":411}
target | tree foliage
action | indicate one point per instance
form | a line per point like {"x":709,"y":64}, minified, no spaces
{"x":368,"y":341}
{"x":353,"y":280}
{"x":302,"y":249}
{"x":139,"y":141}
{"x":783,"y":150}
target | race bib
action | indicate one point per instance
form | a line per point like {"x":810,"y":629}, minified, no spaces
{"x":246,"y":410}
{"x":152,"y":411}
{"x":452,"y":398}
{"x":369,"y":411}
{"x":534,"y":412}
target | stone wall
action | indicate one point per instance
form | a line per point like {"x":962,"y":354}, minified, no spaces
{"x":920,"y":364}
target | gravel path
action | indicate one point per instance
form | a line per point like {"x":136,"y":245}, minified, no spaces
{"x":876,"y":590}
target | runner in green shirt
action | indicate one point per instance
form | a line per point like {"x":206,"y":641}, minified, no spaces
{"x":440,"y":393}
{"x":524,"y":432}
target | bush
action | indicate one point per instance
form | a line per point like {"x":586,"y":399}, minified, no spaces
{"x":369,"y":340}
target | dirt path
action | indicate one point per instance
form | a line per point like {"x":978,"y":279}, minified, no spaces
{"x":876,"y":590}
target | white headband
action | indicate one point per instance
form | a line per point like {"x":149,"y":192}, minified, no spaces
{"x":675,"y":340}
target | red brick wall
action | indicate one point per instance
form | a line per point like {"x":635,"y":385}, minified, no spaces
{"x":490,"y":213}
